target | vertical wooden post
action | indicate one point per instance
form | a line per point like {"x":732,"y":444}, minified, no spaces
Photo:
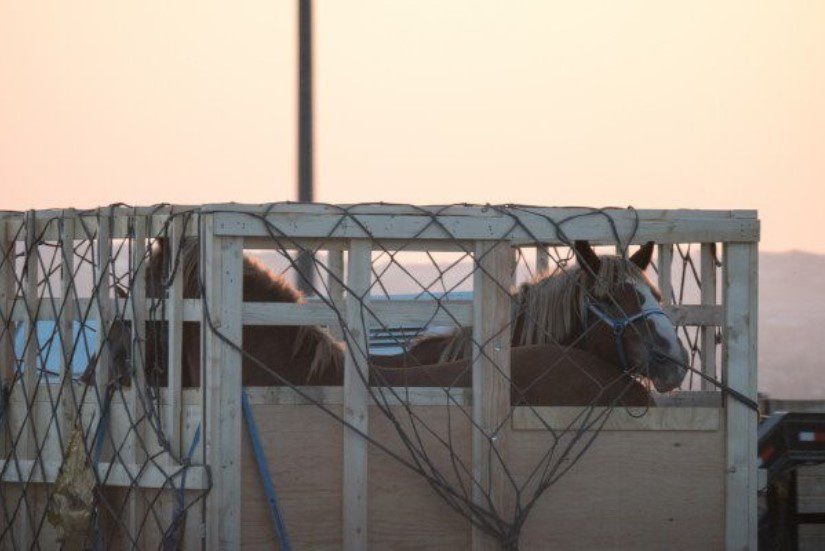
{"x":491,"y":381}
{"x":542,"y":259}
{"x":173,"y":412}
{"x":222,"y":266}
{"x":7,"y":332}
{"x":336,"y":289}
{"x":739,"y":373}
{"x":27,"y":442}
{"x":68,"y":404}
{"x":665,"y":265}
{"x":134,"y":452}
{"x":104,"y":310}
{"x":174,"y":320}
{"x":356,"y":397}
{"x":7,"y":295}
{"x":708,"y":297}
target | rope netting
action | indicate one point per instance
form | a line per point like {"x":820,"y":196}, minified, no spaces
{"x":99,"y":449}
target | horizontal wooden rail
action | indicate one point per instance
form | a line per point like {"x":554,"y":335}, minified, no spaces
{"x":393,"y":313}
{"x":331,"y":395}
{"x":654,"y":418}
{"x":86,"y":225}
{"x":115,"y":474}
{"x":404,"y":223}
{"x":692,"y":228}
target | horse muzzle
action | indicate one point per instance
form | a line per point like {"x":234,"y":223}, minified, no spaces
{"x":668,"y":373}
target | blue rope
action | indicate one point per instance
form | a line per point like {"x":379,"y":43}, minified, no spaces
{"x":170,"y":538}
{"x":263,"y":468}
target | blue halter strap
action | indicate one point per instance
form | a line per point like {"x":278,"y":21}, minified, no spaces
{"x":618,"y":325}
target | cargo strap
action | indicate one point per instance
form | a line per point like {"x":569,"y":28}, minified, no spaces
{"x":263,"y":468}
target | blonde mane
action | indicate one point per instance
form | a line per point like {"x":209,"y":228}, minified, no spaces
{"x":548,"y":309}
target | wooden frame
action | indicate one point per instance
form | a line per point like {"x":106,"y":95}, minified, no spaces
{"x":226,"y":230}
{"x":491,"y":380}
{"x":222,"y":269}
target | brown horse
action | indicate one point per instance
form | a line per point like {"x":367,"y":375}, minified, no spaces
{"x":557,"y":357}
{"x":541,"y":375}
{"x":605,"y":306}
{"x":299,"y":355}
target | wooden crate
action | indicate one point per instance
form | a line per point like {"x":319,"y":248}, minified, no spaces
{"x":683,"y":477}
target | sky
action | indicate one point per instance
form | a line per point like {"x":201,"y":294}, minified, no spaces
{"x":655,"y":104}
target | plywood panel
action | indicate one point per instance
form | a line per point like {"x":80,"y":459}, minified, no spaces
{"x":303,"y":447}
{"x":404,"y":511}
{"x":632,"y":490}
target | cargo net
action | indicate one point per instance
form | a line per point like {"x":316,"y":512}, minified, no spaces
{"x":454,"y":345}
{"x":87,"y":460}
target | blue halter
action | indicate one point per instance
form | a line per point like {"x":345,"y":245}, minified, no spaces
{"x":618,"y":325}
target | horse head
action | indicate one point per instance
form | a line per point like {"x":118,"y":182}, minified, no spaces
{"x":622,"y":320}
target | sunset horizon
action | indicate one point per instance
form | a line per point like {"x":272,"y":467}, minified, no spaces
{"x":644,"y":104}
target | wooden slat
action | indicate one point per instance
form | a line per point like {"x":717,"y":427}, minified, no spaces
{"x":334,"y":395}
{"x":87,"y":222}
{"x":491,"y":382}
{"x":7,"y":326}
{"x":690,"y":398}
{"x":26,"y":445}
{"x":695,"y":314}
{"x":359,"y":268}
{"x":174,"y":320}
{"x":665,"y":266}
{"x":263,"y":243}
{"x":627,"y":419}
{"x":104,"y":310}
{"x":68,"y":294}
{"x":335,"y":280}
{"x":223,"y":275}
{"x":707,"y":342}
{"x":494,"y":227}
{"x":673,"y":226}
{"x":556,"y":213}
{"x":119,"y":474}
{"x":542,"y":259}
{"x":172,"y":402}
{"x":133,"y":450}
{"x":739,"y":373}
{"x":7,"y":296}
{"x":398,"y":313}
{"x":420,"y":396}
{"x":390,"y":313}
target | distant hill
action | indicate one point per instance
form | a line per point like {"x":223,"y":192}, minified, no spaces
{"x":792,"y":325}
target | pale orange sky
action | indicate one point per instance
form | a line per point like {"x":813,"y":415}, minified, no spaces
{"x":703,"y":104}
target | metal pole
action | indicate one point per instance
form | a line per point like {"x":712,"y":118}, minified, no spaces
{"x":305,"y":191}
{"x":305,"y":261}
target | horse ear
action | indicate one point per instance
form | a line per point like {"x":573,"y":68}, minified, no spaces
{"x":643,"y":256}
{"x":587,"y":256}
